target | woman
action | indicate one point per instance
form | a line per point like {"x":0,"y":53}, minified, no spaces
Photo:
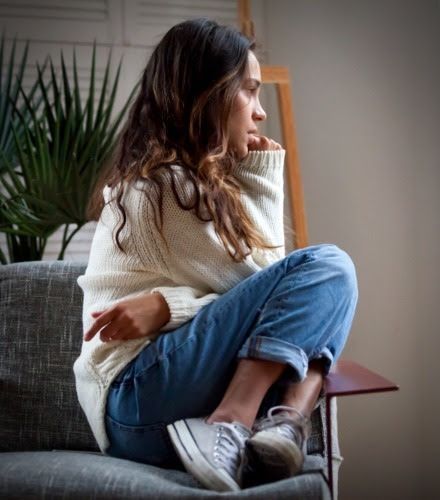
{"x":203,"y":342}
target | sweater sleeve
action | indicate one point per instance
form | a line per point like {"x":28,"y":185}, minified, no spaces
{"x":261,"y":177}
{"x":183,"y":301}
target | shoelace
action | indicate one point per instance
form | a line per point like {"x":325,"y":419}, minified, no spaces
{"x":228,"y":445}
{"x":297,"y":429}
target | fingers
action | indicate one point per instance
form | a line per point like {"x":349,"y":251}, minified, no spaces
{"x":129,"y":319}
{"x":263,"y":143}
{"x":103,"y":318}
{"x":113,"y":324}
{"x":110,"y":332}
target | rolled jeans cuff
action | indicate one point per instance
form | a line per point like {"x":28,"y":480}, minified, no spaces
{"x":280,"y":351}
{"x":326,"y":355}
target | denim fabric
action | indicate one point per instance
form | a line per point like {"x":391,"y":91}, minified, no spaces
{"x":298,"y":309}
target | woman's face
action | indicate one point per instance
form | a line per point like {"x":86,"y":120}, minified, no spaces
{"x":246,"y":110}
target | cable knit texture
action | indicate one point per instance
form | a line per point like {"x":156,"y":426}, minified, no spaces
{"x":191,"y":271}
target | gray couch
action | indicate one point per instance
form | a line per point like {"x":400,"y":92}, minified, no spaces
{"x":47,"y":448}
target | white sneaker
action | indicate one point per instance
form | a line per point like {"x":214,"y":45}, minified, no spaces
{"x":277,"y":447}
{"x":212,"y":453}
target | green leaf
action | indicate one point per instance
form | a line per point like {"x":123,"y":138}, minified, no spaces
{"x":60,"y":149}
{"x":76,"y":86}
{"x":20,"y":74}
{"x":91,"y":98}
{"x":67,"y":93}
{"x":9,"y":96}
{"x":7,"y":89}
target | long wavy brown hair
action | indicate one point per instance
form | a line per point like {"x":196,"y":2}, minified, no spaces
{"x":180,"y":117}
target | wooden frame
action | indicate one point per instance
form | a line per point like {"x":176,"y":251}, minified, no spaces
{"x":279,"y":76}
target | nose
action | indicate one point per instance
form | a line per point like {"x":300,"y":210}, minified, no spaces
{"x":259,"y":113}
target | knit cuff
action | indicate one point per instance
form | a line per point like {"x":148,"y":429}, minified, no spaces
{"x":262,"y":162}
{"x":182,"y":303}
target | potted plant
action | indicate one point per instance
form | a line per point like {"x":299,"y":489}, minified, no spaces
{"x":57,"y":147}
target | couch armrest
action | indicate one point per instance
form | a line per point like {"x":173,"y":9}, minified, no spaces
{"x":349,"y":378}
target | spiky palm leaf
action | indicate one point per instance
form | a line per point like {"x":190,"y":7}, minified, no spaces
{"x":10,"y":84}
{"x":60,"y":154}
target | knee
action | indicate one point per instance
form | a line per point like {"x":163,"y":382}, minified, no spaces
{"x":340,"y":268}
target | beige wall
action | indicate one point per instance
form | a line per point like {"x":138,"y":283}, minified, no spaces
{"x":366,"y":87}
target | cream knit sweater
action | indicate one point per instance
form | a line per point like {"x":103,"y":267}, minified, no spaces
{"x":191,"y":273}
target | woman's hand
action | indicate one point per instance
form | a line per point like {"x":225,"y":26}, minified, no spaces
{"x":130,"y":319}
{"x":262,"y":143}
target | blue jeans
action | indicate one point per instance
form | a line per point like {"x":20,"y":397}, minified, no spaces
{"x":293,"y":311}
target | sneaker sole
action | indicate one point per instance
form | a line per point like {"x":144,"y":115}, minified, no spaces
{"x":281,"y":459}
{"x":195,"y":462}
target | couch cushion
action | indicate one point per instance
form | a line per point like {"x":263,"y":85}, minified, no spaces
{"x":73,"y":475}
{"x":40,"y":337}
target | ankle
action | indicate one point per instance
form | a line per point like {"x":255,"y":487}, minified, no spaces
{"x":289,"y":410}
{"x":304,"y":409}
{"x":229,"y":415}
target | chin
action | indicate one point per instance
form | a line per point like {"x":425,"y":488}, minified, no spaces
{"x":239,"y":151}
{"x":242,"y":152}
{"x":242,"y":155}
